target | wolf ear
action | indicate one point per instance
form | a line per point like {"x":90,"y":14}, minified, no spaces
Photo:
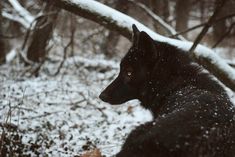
{"x":135,"y":36}
{"x":147,"y":44}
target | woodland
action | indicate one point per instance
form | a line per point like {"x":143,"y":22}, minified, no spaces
{"x":57,"y":56}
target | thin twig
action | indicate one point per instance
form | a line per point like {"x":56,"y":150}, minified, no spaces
{"x":64,"y":58}
{"x":202,"y":24}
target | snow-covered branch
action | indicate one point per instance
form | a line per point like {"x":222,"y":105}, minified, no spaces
{"x":117,"y":21}
{"x":22,"y":12}
{"x":21,"y":16}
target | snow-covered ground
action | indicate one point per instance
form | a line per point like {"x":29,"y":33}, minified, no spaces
{"x":62,"y":115}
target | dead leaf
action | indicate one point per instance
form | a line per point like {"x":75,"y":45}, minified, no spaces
{"x":92,"y":153}
{"x":129,"y":109}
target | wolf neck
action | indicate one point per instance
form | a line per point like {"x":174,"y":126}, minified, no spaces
{"x":190,"y":78}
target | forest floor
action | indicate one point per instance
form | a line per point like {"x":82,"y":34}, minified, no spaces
{"x":62,"y":115}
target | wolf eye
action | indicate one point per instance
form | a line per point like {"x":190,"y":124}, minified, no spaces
{"x":127,"y":76}
{"x":129,"y":73}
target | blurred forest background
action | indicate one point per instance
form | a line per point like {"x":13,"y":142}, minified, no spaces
{"x":39,"y":27}
{"x":53,"y":64}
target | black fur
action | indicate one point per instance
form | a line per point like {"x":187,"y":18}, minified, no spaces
{"x":193,"y":116}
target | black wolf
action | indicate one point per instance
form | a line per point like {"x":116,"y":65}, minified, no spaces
{"x":193,"y":116}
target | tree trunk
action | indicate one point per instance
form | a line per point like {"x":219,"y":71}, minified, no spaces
{"x":2,"y":41}
{"x":220,"y":27}
{"x":111,"y":41}
{"x":42,"y":33}
{"x":160,"y":8}
{"x":202,"y":8}
{"x":182,"y":14}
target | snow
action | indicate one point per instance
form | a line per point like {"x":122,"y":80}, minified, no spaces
{"x":11,"y":55}
{"x":221,"y":64}
{"x":63,"y":113}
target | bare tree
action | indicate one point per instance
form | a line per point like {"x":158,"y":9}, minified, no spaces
{"x":182,"y":12}
{"x":2,"y":42}
{"x":37,"y":48}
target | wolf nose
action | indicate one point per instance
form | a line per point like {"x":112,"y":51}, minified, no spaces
{"x":103,"y":96}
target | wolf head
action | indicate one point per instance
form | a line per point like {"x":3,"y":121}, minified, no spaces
{"x":134,"y":70}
